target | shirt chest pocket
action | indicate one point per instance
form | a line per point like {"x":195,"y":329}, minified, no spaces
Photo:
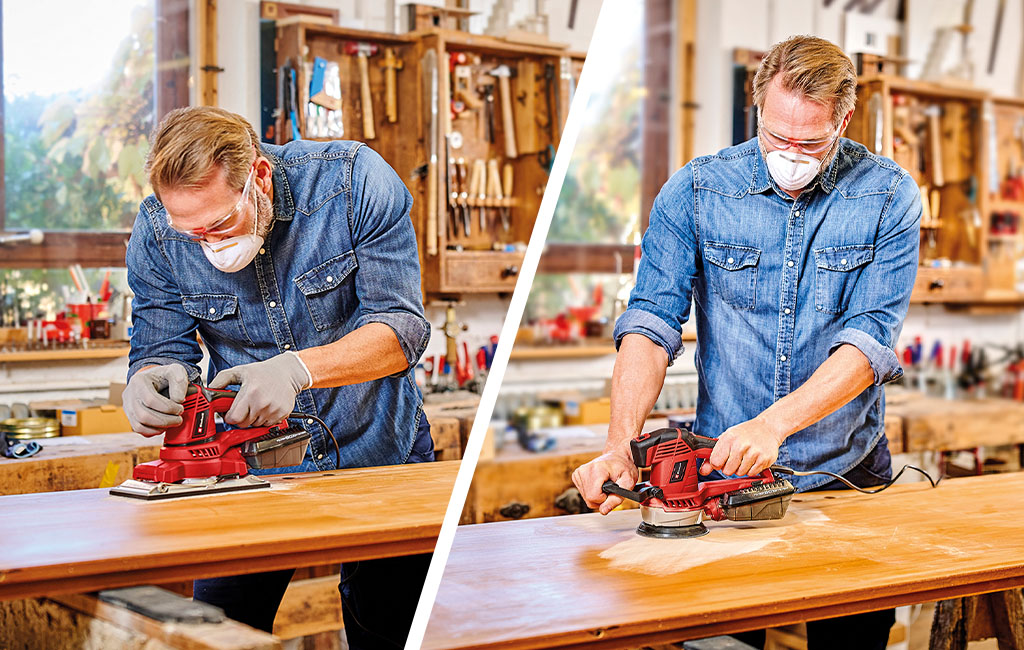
{"x":330,"y":292}
{"x":838,"y":268}
{"x":219,"y":317}
{"x":732,"y":272}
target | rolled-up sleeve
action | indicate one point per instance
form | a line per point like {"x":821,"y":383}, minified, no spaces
{"x":162,"y":332}
{"x":388,"y":280}
{"x":881,"y":296}
{"x":659,"y":304}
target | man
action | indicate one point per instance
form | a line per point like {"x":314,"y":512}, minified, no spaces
{"x":298,"y":266}
{"x":799,"y":249}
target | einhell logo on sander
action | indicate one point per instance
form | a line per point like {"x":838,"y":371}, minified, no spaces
{"x":200,"y":429}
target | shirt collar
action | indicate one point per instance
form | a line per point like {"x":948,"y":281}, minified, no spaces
{"x":761,"y":179}
{"x":284,"y":203}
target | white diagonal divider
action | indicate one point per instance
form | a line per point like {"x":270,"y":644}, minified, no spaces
{"x":594,"y":67}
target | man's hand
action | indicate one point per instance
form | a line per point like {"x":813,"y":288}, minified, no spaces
{"x":268,"y":389}
{"x":148,"y":411}
{"x":746,"y":449}
{"x":590,"y":477}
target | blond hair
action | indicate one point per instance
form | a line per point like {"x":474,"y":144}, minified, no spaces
{"x":812,"y":66}
{"x":191,"y":142}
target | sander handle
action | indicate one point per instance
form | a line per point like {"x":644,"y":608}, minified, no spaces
{"x":645,"y":445}
{"x":640,"y":496}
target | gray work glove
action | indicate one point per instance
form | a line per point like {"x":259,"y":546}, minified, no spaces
{"x":267,"y":389}
{"x":148,"y":411}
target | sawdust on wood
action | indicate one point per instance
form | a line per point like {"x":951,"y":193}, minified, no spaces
{"x":660,"y":557}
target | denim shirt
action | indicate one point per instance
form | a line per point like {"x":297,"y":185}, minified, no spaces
{"x":341,"y":254}
{"x":779,"y":284}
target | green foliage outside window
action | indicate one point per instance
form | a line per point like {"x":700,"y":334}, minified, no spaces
{"x":600,"y":198}
{"x":74,"y":160}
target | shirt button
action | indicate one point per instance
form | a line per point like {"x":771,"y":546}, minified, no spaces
{"x":729,"y":261}
{"x":319,"y":456}
{"x":786,"y":310}
{"x":842,"y":262}
{"x":796,"y":214}
{"x":782,"y":358}
{"x":287,"y":345}
{"x":309,"y":421}
{"x":273,"y":304}
{"x":263,"y":251}
{"x":789,"y":263}
{"x":330,"y":279}
{"x":213,"y":310}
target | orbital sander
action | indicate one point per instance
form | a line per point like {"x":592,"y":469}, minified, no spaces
{"x":196,"y":458}
{"x":673,"y":503}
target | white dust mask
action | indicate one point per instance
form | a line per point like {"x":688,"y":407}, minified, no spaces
{"x":792,"y":170}
{"x":234,"y":253}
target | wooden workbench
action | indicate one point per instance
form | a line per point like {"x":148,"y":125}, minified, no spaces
{"x":590,"y":581}
{"x":935,"y":424}
{"x":84,"y":540}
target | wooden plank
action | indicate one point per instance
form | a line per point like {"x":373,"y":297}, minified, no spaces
{"x":309,"y":607}
{"x":78,"y":463}
{"x":935,"y":424}
{"x":67,"y":542}
{"x":82,"y":621}
{"x":588,"y":580}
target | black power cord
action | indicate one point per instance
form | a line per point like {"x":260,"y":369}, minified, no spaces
{"x":337,"y":450}
{"x":782,"y":469}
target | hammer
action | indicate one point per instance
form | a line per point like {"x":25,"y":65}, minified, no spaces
{"x":391,"y":65}
{"x":503,"y":72}
{"x":362,"y":52}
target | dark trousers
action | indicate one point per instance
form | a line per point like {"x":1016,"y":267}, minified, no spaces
{"x":378,"y":596}
{"x":866,"y":631}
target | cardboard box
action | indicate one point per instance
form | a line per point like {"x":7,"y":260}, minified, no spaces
{"x":591,"y":411}
{"x":88,"y":420}
{"x":52,"y":408}
{"x":579,"y":410}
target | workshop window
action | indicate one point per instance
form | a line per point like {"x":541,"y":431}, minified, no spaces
{"x":77,"y":116}
{"x":600,"y":198}
{"x":629,"y":145}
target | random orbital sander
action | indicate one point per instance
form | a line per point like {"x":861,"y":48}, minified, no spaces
{"x":673,"y":503}
{"x":198,"y":459}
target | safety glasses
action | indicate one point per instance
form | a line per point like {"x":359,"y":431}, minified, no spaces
{"x":223,"y":225}
{"x":804,"y":146}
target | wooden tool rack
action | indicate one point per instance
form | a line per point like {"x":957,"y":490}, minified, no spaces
{"x":950,"y":139}
{"x":488,"y":258}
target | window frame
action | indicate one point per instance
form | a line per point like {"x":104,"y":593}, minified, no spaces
{"x":107,"y":248}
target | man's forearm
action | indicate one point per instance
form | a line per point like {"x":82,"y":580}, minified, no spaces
{"x":843,"y":376}
{"x":365,"y":354}
{"x":636,"y":383}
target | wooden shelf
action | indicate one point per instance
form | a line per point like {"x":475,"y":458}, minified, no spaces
{"x":65,"y":354}
{"x":902,"y":84}
{"x":579,"y":351}
{"x":1006,"y":205}
{"x":543,"y":352}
